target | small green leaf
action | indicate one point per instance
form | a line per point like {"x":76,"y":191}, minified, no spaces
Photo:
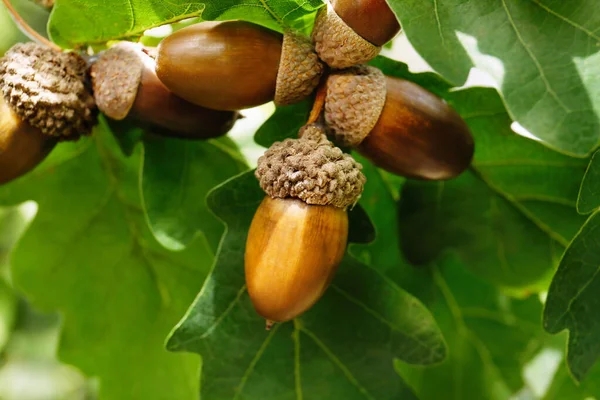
{"x":176,"y":177}
{"x":79,"y":22}
{"x":542,"y":54}
{"x":573,"y":298}
{"x":589,"y":194}
{"x":340,"y":349}
{"x":90,"y":255}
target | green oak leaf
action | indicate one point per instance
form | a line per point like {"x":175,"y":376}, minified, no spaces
{"x":89,"y":254}
{"x":510,"y":216}
{"x":341,"y":349}
{"x":176,"y":177}
{"x":589,"y":194}
{"x":490,"y":336}
{"x":78,"y":22}
{"x":542,"y":54}
{"x":573,"y":298}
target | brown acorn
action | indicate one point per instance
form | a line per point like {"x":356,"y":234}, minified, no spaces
{"x":22,"y":146}
{"x":45,"y":98}
{"x":299,"y":233}
{"x":126,"y":86}
{"x":397,"y":125}
{"x":235,"y":65}
{"x":351,"y":32}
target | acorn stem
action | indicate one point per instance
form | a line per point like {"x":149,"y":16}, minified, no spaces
{"x":269,"y":324}
{"x":26,"y":29}
{"x":316,"y":113}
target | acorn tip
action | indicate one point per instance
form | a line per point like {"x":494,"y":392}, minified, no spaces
{"x":269,"y":324}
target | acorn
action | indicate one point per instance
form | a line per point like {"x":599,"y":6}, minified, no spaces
{"x":234,"y":65}
{"x":45,"y":98}
{"x":299,"y":233}
{"x":351,"y":32}
{"x":126,"y":86}
{"x":396,"y":124}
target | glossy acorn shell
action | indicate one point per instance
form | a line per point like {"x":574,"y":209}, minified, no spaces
{"x":373,"y":20}
{"x":157,"y":107}
{"x":292,"y":253}
{"x":418,"y":135}
{"x":22,"y":147}
{"x":228,"y":65}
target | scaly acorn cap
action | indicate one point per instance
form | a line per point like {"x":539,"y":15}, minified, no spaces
{"x":116,"y":77}
{"x":316,"y":132}
{"x":48,"y":89}
{"x":354,"y":103}
{"x":337,"y":44}
{"x":311,"y":169}
{"x":300,"y":70}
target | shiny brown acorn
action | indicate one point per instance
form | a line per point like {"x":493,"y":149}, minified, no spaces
{"x":299,"y":233}
{"x":286,"y":276}
{"x":351,"y":32}
{"x":22,"y":147}
{"x":234,"y":65}
{"x":373,"y":20}
{"x":44,"y":98}
{"x":397,"y":125}
{"x":126,"y":86}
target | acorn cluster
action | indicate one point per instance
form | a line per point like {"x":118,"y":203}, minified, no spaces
{"x":193,"y":86}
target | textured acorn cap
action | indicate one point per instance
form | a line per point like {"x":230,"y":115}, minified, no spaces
{"x":337,"y":44}
{"x":48,"y":89}
{"x":354,"y":102}
{"x":312,"y":170}
{"x":300,"y":70}
{"x":316,"y":132}
{"x":116,"y":77}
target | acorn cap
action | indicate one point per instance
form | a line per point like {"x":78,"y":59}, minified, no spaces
{"x":337,"y":44}
{"x":312,"y":170}
{"x":47,"y":89}
{"x":355,"y":100}
{"x":300,"y":70}
{"x":116,"y":76}
{"x":316,"y":132}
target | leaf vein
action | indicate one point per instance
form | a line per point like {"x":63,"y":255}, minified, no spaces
{"x":378,"y":316}
{"x":254,"y":361}
{"x":533,"y":58}
{"x":567,"y":20}
{"x":338,"y":363}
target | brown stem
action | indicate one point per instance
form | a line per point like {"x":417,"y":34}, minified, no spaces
{"x":26,"y":29}
{"x":319,"y":104}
